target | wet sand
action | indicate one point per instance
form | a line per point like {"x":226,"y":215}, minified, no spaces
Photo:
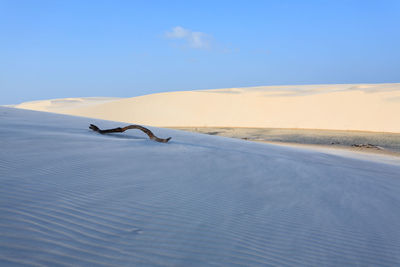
{"x":360,"y":141}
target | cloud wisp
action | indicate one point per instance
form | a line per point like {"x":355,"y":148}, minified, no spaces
{"x":197,"y":40}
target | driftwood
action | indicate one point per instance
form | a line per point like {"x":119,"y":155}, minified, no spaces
{"x":120,"y":130}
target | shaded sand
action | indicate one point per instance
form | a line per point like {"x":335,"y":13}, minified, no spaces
{"x":371,"y":142}
{"x":364,"y":107}
{"x":64,"y":105}
{"x":72,"y":197}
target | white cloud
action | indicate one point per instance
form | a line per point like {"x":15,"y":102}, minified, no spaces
{"x":193,"y":39}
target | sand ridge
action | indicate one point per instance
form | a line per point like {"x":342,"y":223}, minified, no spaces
{"x":363,"y":107}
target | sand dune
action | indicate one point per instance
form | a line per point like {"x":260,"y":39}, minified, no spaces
{"x":72,"y":197}
{"x":365,"y":107}
{"x":63,"y":105}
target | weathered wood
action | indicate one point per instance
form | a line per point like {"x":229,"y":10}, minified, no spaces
{"x":120,"y":130}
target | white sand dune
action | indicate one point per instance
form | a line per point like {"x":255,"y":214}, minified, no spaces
{"x":365,"y":107}
{"x":64,"y":104}
{"x":72,"y":197}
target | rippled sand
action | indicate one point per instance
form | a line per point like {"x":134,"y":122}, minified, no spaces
{"x":73,"y":197}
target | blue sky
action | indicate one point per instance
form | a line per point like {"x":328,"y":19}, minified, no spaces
{"x":57,"y":49}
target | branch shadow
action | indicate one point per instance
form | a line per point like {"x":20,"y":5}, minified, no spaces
{"x":123,"y":136}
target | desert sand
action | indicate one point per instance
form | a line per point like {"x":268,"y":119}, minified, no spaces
{"x":362,"y":107}
{"x":73,"y":197}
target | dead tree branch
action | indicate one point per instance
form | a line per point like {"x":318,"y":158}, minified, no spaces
{"x":120,"y":130}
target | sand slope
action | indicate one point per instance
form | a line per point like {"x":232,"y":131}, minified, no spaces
{"x":368,"y":107}
{"x":72,"y":197}
{"x":64,"y":104}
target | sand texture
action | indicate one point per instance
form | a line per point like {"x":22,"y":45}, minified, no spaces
{"x":73,"y":197}
{"x":364,"y":107}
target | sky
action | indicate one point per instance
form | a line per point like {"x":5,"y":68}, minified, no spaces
{"x":58,"y":49}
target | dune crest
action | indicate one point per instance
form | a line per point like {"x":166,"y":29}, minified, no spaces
{"x":363,"y":107}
